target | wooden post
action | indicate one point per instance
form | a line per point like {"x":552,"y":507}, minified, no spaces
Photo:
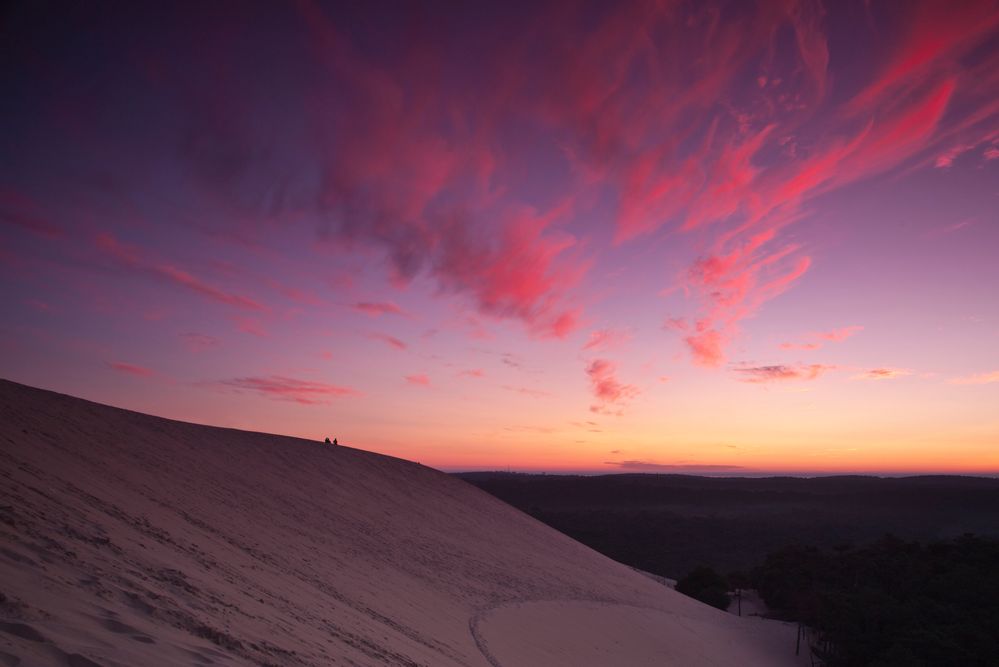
{"x":797,"y":642}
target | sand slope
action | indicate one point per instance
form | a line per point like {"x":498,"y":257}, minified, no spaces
{"x":133,"y":540}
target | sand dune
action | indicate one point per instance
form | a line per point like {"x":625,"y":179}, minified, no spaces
{"x":134,"y":540}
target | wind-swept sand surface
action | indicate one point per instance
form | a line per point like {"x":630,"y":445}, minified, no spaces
{"x":134,"y":540}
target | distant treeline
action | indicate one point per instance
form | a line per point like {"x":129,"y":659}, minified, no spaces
{"x":671,"y":524}
{"x":892,"y":603}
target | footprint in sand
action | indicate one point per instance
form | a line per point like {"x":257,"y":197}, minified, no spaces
{"x":77,"y":660}
{"x":125,"y":629}
{"x":23,"y":631}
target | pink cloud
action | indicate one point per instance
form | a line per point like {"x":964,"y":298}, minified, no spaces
{"x":800,"y":346}
{"x":131,"y":369}
{"x":527,"y":391}
{"x":603,"y":339}
{"x":473,"y":373}
{"x":721,"y":182}
{"x":883,"y":374}
{"x":390,"y":340}
{"x":608,"y":390}
{"x":990,"y":151}
{"x":675,"y":324}
{"x":814,"y":340}
{"x":303,"y":297}
{"x":376,"y":309}
{"x":18,"y":210}
{"x":837,"y":335}
{"x":129,"y":257}
{"x":197,"y":342}
{"x":250,"y":325}
{"x":388,"y":166}
{"x":517,"y":276}
{"x":706,"y":345}
{"x":978,"y":378}
{"x":303,"y":392}
{"x":420,"y":380}
{"x":933,"y":37}
{"x":781,"y":373}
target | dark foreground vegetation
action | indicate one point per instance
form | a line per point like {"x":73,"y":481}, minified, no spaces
{"x":817,"y":551}
{"x":671,"y":524}
{"x":892,"y":602}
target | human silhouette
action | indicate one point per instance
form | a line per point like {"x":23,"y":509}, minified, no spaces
{"x":327,"y":441}
{"x":335,"y":442}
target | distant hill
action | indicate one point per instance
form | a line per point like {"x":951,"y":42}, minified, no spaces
{"x":127,"y":539}
{"x":670,"y":524}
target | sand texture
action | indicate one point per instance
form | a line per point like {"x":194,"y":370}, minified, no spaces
{"x":129,"y":539}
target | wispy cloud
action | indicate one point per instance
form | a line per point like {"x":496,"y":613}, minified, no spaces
{"x":529,"y":429}
{"x":800,"y":346}
{"x":21,"y":211}
{"x":277,"y":387}
{"x":610,"y":392}
{"x":603,"y":339}
{"x":837,"y":335}
{"x":197,"y":342}
{"x":389,"y":340}
{"x":250,"y":325}
{"x":130,"y":258}
{"x":378,"y":308}
{"x":528,"y":391}
{"x":977,"y":378}
{"x":951,"y":228}
{"x":131,"y":369}
{"x":814,"y":340}
{"x":988,"y":142}
{"x":706,"y":345}
{"x":883,"y":374}
{"x":781,"y":373}
{"x":418,"y":379}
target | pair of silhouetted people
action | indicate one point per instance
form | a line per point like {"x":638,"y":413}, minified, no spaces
{"x":334,"y":443}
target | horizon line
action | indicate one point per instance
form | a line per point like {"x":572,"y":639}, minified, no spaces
{"x":717,"y":474}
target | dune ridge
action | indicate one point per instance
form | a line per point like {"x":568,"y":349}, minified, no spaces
{"x":129,"y":539}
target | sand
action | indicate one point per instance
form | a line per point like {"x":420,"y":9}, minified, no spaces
{"x":134,"y":540}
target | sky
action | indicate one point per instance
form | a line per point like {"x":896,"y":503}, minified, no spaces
{"x":721,"y":237}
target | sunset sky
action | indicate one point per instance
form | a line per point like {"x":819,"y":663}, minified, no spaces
{"x":676,"y":236}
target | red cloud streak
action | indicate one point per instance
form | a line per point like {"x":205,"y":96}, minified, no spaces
{"x":607,"y":389}
{"x":304,"y":392}
{"x":378,"y":308}
{"x":390,"y":340}
{"x":131,"y":369}
{"x":129,"y":257}
{"x":814,"y":340}
{"x":602,"y":339}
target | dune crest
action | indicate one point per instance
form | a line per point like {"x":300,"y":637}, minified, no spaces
{"x":129,"y":539}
